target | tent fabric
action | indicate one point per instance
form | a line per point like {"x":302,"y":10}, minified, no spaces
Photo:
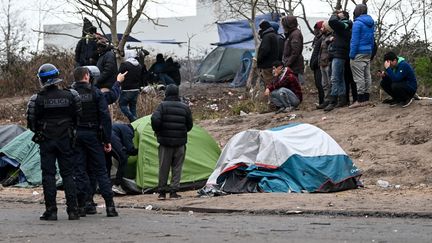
{"x":26,"y":152}
{"x":220,"y":65}
{"x":293,"y":158}
{"x":9,"y":132}
{"x":238,"y":34}
{"x":201,"y":155}
{"x":242,"y":74}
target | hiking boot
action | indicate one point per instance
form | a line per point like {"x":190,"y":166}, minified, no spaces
{"x":174,"y":195}
{"x":90,"y":208}
{"x":50,"y":214}
{"x":117,"y":189}
{"x":329,"y":107}
{"x":407,"y":103}
{"x":162,"y":196}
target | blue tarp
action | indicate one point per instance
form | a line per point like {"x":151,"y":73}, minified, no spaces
{"x":238,"y":34}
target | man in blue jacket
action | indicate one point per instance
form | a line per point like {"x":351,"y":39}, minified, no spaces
{"x":362,"y":45}
{"x":398,"y":80}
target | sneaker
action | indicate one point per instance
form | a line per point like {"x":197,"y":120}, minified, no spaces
{"x":174,"y":195}
{"x":407,"y":103}
{"x":118,"y":190}
{"x":394,"y":103}
{"x":282,"y":109}
{"x":162,"y":196}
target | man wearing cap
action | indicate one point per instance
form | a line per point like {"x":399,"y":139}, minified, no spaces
{"x":52,"y":114}
{"x":171,"y":121}
{"x":268,"y":51}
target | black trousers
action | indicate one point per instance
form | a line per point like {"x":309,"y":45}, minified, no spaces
{"x":398,"y":91}
{"x":60,"y":150}
{"x":318,"y":85}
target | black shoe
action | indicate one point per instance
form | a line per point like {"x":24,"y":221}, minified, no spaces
{"x":322,"y":105}
{"x":388,"y":101}
{"x":82,"y":211}
{"x":329,"y":107}
{"x":49,"y":214}
{"x":111,"y":212}
{"x":73,"y":215}
{"x":281,"y":110}
{"x":90,"y":208}
{"x":162,"y":196}
{"x":174,"y":195}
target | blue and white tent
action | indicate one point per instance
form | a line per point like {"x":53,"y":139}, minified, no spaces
{"x":293,"y":158}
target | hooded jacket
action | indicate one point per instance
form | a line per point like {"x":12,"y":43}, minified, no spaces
{"x":133,"y":79}
{"x":107,"y":65}
{"x":293,"y":46}
{"x":268,"y":51}
{"x":172,"y":119}
{"x":403,"y":72}
{"x":340,"y":46}
{"x":173,"y":70}
{"x":362,"y":40}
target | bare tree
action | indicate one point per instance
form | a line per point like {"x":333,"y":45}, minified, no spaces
{"x":106,"y":13}
{"x":12,"y":35}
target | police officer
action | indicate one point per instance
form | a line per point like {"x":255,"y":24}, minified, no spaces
{"x":93,"y":137}
{"x":52,"y":114}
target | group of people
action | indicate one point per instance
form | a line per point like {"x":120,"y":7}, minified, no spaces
{"x":340,"y":61}
{"x":94,"y":49}
{"x":73,"y":127}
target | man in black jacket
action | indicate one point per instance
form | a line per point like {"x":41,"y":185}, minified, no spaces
{"x":171,"y":121}
{"x":130,"y":87}
{"x":107,"y":64}
{"x":268,"y":51}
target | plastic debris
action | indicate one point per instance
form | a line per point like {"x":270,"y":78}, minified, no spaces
{"x":190,"y":213}
{"x":242,"y":113}
{"x":323,"y":118}
{"x":383,"y":184}
{"x":35,"y":193}
{"x":149,"y":207}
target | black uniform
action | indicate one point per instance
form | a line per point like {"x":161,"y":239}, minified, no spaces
{"x":94,"y":130}
{"x":52,"y":115}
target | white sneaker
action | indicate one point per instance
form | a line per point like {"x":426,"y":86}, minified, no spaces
{"x":118,"y":190}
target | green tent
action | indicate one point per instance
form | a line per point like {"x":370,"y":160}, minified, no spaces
{"x":201,"y":155}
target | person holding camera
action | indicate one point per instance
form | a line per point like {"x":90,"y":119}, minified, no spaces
{"x":398,"y":80}
{"x":52,"y":114}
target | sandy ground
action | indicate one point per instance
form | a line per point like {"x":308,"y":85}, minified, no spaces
{"x":387,"y":143}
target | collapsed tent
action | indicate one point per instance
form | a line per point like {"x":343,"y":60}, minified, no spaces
{"x":292,"y":158}
{"x":23,"y":154}
{"x":201,"y":155}
{"x":235,"y":38}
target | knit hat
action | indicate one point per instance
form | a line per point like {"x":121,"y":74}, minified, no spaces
{"x":318,"y":25}
{"x":264,"y":25}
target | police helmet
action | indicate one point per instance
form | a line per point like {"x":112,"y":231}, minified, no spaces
{"x":48,"y":75}
{"x":94,"y":72}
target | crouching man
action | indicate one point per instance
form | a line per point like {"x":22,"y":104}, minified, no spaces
{"x":171,"y":121}
{"x":398,"y":80}
{"x":284,"y":90}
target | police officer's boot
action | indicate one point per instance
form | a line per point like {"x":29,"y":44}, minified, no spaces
{"x":90,"y":207}
{"x":110,"y":208}
{"x":73,"y":213}
{"x":49,"y":214}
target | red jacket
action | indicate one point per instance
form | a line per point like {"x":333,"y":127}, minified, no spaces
{"x":286,"y":79}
